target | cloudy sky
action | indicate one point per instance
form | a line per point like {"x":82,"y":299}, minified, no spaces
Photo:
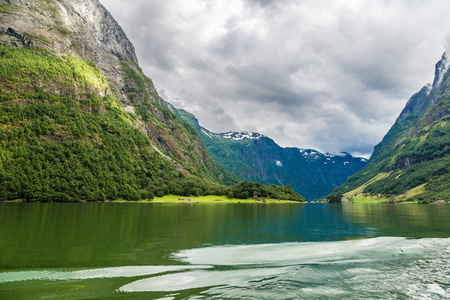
{"x":331,"y":75}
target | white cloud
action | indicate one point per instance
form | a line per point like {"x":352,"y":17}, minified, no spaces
{"x":329,"y":75}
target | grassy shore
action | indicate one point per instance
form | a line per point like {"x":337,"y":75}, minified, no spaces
{"x":213,"y":199}
{"x":372,"y":199}
{"x":358,"y":194}
{"x":183,"y":199}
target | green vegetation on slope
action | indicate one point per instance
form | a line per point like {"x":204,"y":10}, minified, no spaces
{"x":415,"y":161}
{"x":413,"y":156}
{"x":55,"y":147}
{"x":180,"y":141}
{"x":64,"y":137}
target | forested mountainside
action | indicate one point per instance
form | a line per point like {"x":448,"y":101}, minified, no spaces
{"x":412,"y":161}
{"x":254,"y":157}
{"x":78,"y":118}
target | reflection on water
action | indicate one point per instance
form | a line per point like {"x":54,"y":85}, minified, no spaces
{"x":111,"y":234}
{"x":408,"y":220}
{"x":300,"y":251}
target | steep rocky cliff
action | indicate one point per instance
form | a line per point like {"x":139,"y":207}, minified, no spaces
{"x":412,"y":161}
{"x":87,"y":30}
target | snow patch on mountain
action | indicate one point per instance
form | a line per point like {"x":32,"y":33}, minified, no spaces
{"x":309,"y":152}
{"x":311,"y":155}
{"x":239,"y":136}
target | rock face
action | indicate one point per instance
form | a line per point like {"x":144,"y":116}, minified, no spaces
{"x":82,"y":28}
{"x":421,"y":102}
{"x":255,"y":157}
{"x":412,"y":161}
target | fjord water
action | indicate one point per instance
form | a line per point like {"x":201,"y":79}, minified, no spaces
{"x":233,"y":251}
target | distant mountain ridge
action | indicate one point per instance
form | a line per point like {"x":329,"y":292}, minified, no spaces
{"x":412,"y":161}
{"x":255,"y":157}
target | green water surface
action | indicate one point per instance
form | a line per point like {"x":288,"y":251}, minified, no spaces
{"x":149,"y":251}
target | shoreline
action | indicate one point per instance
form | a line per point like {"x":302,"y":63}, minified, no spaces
{"x":174,"y":199}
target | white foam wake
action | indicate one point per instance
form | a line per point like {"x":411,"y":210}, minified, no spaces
{"x":127,"y":271}
{"x":307,"y":253}
{"x":371,"y":268}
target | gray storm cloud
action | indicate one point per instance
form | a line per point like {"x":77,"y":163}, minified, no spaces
{"x":328,"y":75}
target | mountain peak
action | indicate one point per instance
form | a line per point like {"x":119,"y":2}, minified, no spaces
{"x":441,"y":68}
{"x":421,"y":101}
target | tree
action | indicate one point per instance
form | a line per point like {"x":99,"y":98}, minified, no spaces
{"x":335,"y":198}
{"x":242,"y":195}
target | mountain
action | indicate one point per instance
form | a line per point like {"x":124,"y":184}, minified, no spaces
{"x":78,"y":118}
{"x":412,"y":161}
{"x":255,"y":157}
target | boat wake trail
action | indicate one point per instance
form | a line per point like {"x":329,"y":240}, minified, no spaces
{"x":376,"y":268}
